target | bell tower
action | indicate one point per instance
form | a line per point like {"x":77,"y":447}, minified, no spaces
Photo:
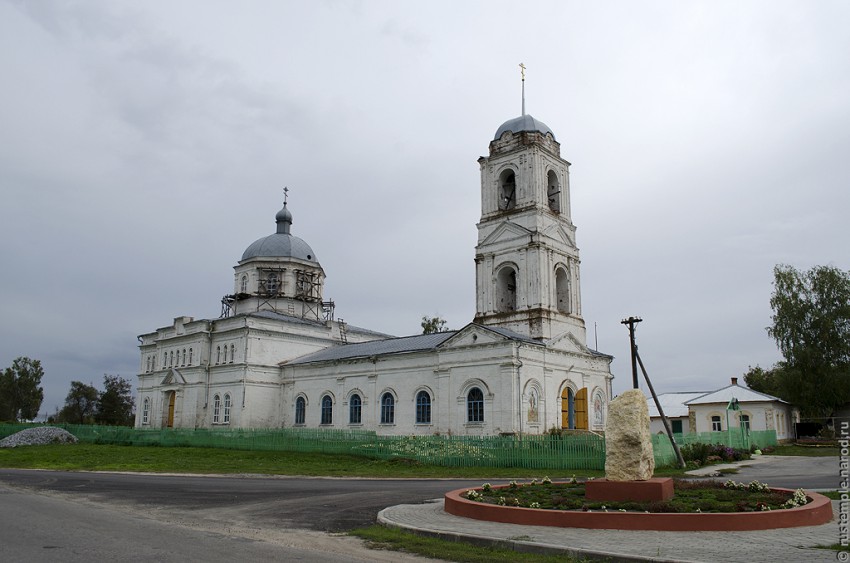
{"x":526,"y":260}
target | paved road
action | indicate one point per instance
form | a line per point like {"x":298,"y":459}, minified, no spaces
{"x":45,"y":513}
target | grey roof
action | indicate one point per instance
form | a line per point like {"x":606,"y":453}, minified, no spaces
{"x":726,"y":394}
{"x":298,"y":320}
{"x":673,"y":403}
{"x":281,"y":244}
{"x":523,"y":123}
{"x":404,"y":344}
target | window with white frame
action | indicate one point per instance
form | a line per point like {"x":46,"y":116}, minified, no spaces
{"x":355,"y":409}
{"x":216,"y":408}
{"x":475,"y":405}
{"x":226,"y":416}
{"x":387,"y":408}
{"x":745,"y":422}
{"x":146,"y":410}
{"x":327,"y":410}
{"x":423,"y":408}
{"x":300,"y":410}
{"x":716,"y":424}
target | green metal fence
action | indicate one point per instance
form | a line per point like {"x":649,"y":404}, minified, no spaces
{"x":566,"y":451}
{"x":664,"y":454}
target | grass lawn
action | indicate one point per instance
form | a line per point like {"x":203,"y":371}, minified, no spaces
{"x":91,"y":457}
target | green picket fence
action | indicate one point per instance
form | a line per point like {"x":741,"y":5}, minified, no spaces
{"x":566,"y":451}
{"x":663,"y":449}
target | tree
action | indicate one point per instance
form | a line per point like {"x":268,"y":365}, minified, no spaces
{"x":21,"y":393}
{"x":811,"y":326}
{"x":115,"y":404}
{"x":431,"y":325}
{"x":80,"y":404}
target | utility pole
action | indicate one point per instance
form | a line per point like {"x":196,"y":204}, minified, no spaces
{"x":631,"y":322}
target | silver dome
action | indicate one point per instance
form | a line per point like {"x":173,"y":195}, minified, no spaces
{"x":282,"y":244}
{"x":523,"y":123}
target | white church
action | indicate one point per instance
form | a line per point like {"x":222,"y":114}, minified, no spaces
{"x":278,"y":358}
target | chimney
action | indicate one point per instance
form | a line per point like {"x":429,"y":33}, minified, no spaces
{"x":734,"y":381}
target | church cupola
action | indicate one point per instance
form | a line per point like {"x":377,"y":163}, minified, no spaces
{"x":279,"y":273}
{"x":527,"y":262}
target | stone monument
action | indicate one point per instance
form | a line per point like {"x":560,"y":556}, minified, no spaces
{"x":629,"y":459}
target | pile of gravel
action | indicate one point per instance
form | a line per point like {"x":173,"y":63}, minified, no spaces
{"x":39,"y":436}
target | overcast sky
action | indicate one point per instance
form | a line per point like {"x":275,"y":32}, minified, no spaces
{"x":145,"y":145}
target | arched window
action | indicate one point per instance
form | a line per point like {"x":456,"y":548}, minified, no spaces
{"x":300,"y":410}
{"x":507,"y":190}
{"x":506,"y":290}
{"x":225,"y":354}
{"x":423,"y":408}
{"x":226,"y":408}
{"x":272,"y":283}
{"x":355,"y":409}
{"x":146,"y":411}
{"x":218,"y":354}
{"x":171,"y":359}
{"x":327,"y":410}
{"x":183,"y":363}
{"x":562,"y":290}
{"x":475,"y":405}
{"x":164,"y":359}
{"x":716,"y":425}
{"x":553,"y":191}
{"x":387,"y":408}
{"x":190,"y":356}
{"x":232,"y":352}
{"x":148,"y":364}
{"x":216,"y":408}
{"x":243,"y":287}
{"x":533,"y":406}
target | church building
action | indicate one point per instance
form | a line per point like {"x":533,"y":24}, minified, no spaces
{"x":278,"y":358}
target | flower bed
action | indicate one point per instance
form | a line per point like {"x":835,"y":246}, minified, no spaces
{"x":718,"y":506}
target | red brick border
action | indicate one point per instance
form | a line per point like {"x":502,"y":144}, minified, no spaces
{"x":815,"y":513}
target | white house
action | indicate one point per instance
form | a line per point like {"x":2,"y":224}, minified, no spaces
{"x":676,"y":411}
{"x":758,"y":411}
{"x":277,"y":357}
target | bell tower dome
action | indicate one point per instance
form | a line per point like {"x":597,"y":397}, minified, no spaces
{"x":526,"y":260}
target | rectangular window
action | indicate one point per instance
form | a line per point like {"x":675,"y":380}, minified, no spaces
{"x":677,"y":426}
{"x":716,"y":426}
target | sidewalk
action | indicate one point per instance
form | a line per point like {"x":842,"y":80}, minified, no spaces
{"x":786,"y":544}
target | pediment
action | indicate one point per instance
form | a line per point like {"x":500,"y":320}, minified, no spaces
{"x":173,"y":377}
{"x":567,"y":342}
{"x":506,"y":232}
{"x":472,"y":335}
{"x":559,"y":233}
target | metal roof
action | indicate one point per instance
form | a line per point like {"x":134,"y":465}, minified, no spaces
{"x":401,"y":345}
{"x":673,"y":403}
{"x":743,"y":394}
{"x":523,"y":123}
{"x":280,"y":245}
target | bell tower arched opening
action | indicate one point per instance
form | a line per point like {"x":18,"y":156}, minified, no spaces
{"x":553,"y":191}
{"x":562,"y":290}
{"x":506,"y":290}
{"x":507,"y":190}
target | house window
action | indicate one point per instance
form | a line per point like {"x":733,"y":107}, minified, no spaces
{"x":216,"y":409}
{"x":355,"y":409}
{"x":226,"y":408}
{"x":300,"y":410}
{"x":387,"y":409}
{"x":677,"y":426}
{"x":146,"y":411}
{"x":716,"y":425}
{"x":232,"y":352}
{"x":327,"y":410}
{"x":190,"y":356}
{"x":423,"y":408}
{"x":475,"y":405}
{"x":745,"y":422}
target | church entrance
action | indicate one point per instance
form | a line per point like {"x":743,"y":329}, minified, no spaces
{"x":169,"y":423}
{"x":574,"y":409}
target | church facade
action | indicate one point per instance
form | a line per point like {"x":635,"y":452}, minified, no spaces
{"x":277,"y":357}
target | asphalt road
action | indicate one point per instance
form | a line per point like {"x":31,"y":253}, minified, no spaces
{"x":75,"y":516}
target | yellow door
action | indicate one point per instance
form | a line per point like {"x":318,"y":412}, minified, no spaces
{"x":170,"y":423}
{"x":566,"y":399}
{"x":581,"y":409}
